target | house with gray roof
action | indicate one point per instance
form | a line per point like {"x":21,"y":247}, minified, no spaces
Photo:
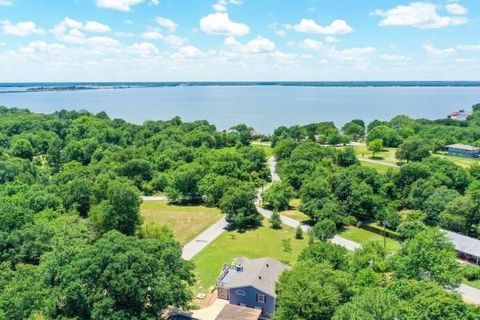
{"x":251,"y":283}
{"x":463,"y":150}
{"x":467,"y":248}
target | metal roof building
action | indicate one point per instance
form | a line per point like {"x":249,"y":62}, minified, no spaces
{"x":467,"y":247}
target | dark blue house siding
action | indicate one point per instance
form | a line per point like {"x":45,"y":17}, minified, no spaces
{"x":250,"y":299}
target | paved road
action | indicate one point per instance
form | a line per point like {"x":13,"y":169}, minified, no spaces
{"x":161,"y":198}
{"x":350,"y":245}
{"x":204,"y":239}
{"x":469,"y":294}
{"x":192,"y":248}
{"x":272,"y":164}
{"x":393,"y":165}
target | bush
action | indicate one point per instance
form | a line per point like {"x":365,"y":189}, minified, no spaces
{"x":471,"y":272}
{"x":275,"y":220}
{"x":299,"y":233}
{"x":325,"y":229}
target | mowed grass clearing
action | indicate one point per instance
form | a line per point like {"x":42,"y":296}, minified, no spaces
{"x":266,"y":148}
{"x":363,"y":236}
{"x":377,"y":166}
{"x":387,"y":155}
{"x":186,"y":222}
{"x":261,"y":242}
{"x":460,"y":161}
{"x":294,"y":213}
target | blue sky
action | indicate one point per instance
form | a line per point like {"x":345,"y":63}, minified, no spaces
{"x":238,"y":40}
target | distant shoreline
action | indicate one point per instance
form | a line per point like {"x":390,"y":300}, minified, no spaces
{"x":75,"y":86}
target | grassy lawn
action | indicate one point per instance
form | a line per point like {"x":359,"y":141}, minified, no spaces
{"x":362,"y":236}
{"x":460,"y":161}
{"x":294,"y":213}
{"x":387,"y":155}
{"x":267,"y":149}
{"x":258,"y":243}
{"x":377,"y":166}
{"x":475,"y":284}
{"x":186,"y":222}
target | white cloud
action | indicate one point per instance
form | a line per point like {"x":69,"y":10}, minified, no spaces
{"x":350,"y":54}
{"x":438,"y":53}
{"x":69,"y":23}
{"x":42,"y":47}
{"x":144,"y":49}
{"x":455,"y":8}
{"x":354,"y":53}
{"x":259,"y":45}
{"x":6,"y":2}
{"x":167,"y":23}
{"x":93,"y":26}
{"x":189,"y":52}
{"x":21,"y":29}
{"x":170,"y":40}
{"x":419,"y":15}
{"x":220,"y":23}
{"x":395,"y":58}
{"x":153,"y":34}
{"x":174,"y":41}
{"x":221,"y":5}
{"x":314,"y":45}
{"x":469,"y":47}
{"x":121,"y":5}
{"x":330,"y":39}
{"x":310,"y":26}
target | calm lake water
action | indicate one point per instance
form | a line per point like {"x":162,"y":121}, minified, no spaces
{"x":262,"y":107}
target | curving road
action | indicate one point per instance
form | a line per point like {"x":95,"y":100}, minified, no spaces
{"x":469,"y":294}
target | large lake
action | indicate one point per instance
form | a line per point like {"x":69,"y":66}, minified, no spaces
{"x":262,"y":107}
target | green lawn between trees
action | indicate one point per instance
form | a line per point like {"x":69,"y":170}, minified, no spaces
{"x":388,"y":156}
{"x":363,"y":236}
{"x":261,"y":242}
{"x":186,"y":222}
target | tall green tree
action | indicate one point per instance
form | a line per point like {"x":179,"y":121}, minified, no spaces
{"x":120,"y":210}
{"x":323,"y":291}
{"x":429,"y":256}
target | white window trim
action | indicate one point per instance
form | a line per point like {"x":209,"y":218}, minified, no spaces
{"x":262,"y":299}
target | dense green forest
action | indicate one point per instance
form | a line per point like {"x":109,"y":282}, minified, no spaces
{"x":73,"y":244}
{"x":425,"y":191}
{"x":71,"y":241}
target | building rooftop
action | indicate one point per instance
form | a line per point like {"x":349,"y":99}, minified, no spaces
{"x":463,"y":147}
{"x":260,"y":273}
{"x":233,"y":312}
{"x":464,"y":244}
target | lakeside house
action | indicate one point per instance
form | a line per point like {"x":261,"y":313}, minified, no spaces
{"x":251,"y":283}
{"x":462,"y":150}
{"x":460,"y":115}
{"x":467,"y":248}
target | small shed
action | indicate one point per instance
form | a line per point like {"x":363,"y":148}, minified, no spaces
{"x":463,"y":150}
{"x":467,"y":248}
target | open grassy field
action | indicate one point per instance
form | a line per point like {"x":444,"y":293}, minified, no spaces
{"x":294,"y":213}
{"x":186,"y":222}
{"x":261,"y":242}
{"x":362,"y":236}
{"x":387,"y":155}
